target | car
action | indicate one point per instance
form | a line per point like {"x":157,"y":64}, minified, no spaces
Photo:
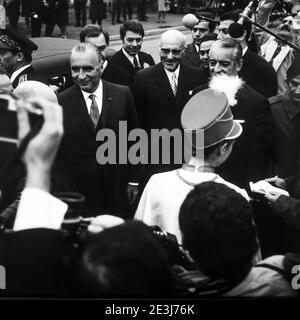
{"x":52,"y":60}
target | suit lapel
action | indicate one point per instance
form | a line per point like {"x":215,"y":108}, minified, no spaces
{"x":163,"y":82}
{"x":126,"y":63}
{"x":106,"y":105}
{"x":80,"y":105}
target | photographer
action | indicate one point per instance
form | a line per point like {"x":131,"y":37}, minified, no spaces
{"x":31,"y":252}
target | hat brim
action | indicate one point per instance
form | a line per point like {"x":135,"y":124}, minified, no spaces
{"x":235,"y":132}
{"x":3,"y":46}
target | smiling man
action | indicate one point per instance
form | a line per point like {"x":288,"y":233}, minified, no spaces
{"x":162,"y":91}
{"x":129,"y":59}
{"x":90,"y":105}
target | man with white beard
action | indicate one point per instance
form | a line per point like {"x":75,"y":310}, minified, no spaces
{"x":251,"y":157}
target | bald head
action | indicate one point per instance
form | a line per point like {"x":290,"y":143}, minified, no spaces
{"x":173,"y":36}
{"x":171,"y":49}
{"x":29,"y":89}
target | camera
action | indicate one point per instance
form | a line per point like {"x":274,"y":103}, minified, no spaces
{"x":9,"y":121}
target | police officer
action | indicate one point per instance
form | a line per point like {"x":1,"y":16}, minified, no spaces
{"x":16,"y":56}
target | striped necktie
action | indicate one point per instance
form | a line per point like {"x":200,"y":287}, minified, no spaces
{"x":174,"y":83}
{"x":94,"y":113}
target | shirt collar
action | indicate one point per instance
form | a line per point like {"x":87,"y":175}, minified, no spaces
{"x":17,"y":72}
{"x":169,"y":73}
{"x":245,"y":50}
{"x":97,"y":92}
{"x":130,"y":58}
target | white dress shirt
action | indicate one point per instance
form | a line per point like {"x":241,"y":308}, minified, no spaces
{"x":17,"y":72}
{"x":170,"y":74}
{"x":130,"y":58}
{"x":98,"y":96}
{"x":39,"y":209}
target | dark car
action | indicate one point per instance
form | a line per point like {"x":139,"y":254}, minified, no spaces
{"x":52,"y":60}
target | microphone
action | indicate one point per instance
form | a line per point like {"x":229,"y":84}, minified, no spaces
{"x":236,"y":30}
{"x":189,"y":20}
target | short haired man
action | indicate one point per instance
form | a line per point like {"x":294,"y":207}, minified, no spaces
{"x":161,"y":91}
{"x":251,"y":157}
{"x":217,"y":229}
{"x":127,"y":61}
{"x":90,"y":105}
{"x":191,"y":52}
{"x":206,"y":117}
{"x":94,"y":34}
{"x":225,"y":21}
{"x":204,"y":48}
{"x":16,"y":56}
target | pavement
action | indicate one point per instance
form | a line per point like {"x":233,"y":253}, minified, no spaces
{"x":151,"y":26}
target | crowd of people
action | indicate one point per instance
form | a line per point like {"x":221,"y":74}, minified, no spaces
{"x":209,"y":209}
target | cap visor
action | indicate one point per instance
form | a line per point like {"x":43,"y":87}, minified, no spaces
{"x":235,"y":132}
{"x":3,"y":46}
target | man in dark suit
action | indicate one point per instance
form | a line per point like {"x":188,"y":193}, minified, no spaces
{"x":256,"y":71}
{"x":15,"y":56}
{"x":161,"y":92}
{"x":80,"y":12}
{"x":191,"y":52}
{"x":89,"y":106}
{"x":125,"y":63}
{"x":251,"y":156}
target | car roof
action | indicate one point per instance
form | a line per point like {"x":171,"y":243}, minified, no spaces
{"x":53,"y":55}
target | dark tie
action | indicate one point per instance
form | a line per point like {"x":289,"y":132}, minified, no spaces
{"x":135,"y":63}
{"x":94,"y":113}
{"x":275,"y":54}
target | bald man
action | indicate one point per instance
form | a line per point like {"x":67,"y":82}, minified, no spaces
{"x":162,"y":90}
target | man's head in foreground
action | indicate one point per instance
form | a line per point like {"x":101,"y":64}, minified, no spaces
{"x":218,"y":231}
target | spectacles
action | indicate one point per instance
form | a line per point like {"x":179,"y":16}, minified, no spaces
{"x":175,"y":52}
{"x":222,"y":63}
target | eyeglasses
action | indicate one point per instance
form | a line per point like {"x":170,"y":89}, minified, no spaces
{"x":222,"y":63}
{"x":102,"y":48}
{"x":175,"y":52}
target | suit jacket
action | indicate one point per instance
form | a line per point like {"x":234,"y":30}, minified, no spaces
{"x":259,"y":74}
{"x":251,"y":157}
{"x":104,"y":186}
{"x":156,"y":105}
{"x":28,"y":74}
{"x":121,"y":71}
{"x":191,"y":56}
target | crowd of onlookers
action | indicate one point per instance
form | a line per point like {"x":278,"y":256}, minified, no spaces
{"x":220,"y":222}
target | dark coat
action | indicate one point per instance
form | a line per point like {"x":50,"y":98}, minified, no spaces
{"x":104,"y":186}
{"x":259,"y":74}
{"x":28,"y":74}
{"x":33,"y":262}
{"x":251,"y":157}
{"x":156,"y":105}
{"x":191,"y":56}
{"x":97,"y":9}
{"x":121,"y":71}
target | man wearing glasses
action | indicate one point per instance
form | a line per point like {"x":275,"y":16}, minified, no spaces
{"x":162,"y":91}
{"x":191,"y":53}
{"x":129,"y":59}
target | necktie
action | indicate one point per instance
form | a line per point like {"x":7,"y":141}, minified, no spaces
{"x":275,"y":54}
{"x":174,"y":84}
{"x":94,"y":113}
{"x":136,"y":64}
